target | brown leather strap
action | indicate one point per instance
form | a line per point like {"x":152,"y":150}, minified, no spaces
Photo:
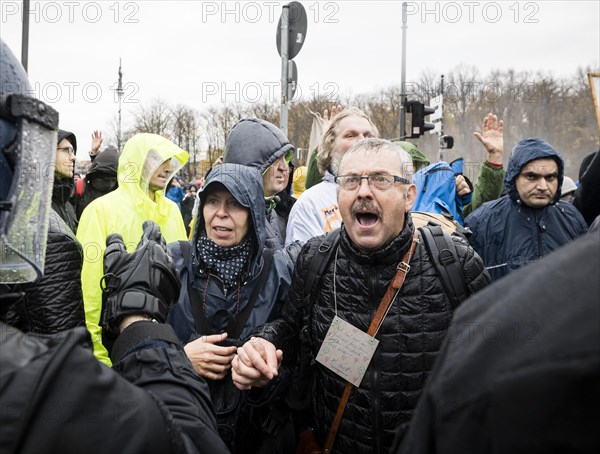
{"x":397,"y":282}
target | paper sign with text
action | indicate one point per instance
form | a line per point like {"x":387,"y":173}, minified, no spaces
{"x":347,"y":351}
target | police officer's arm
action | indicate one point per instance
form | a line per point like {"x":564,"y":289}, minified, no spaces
{"x":139,"y":289}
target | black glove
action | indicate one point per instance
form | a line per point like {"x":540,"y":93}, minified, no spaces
{"x":144,"y":282}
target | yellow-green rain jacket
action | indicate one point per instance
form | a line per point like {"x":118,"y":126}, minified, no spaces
{"x":124,"y":211}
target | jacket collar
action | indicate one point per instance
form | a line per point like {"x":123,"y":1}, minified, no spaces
{"x":61,"y":191}
{"x":387,"y":255}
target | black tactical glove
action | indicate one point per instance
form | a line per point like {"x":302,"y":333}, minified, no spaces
{"x":144,"y":282}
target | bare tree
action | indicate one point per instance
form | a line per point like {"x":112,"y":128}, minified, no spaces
{"x":155,"y":118}
{"x":187,"y":135}
{"x":531,"y":105}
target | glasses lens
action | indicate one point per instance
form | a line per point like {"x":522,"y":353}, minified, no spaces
{"x":69,"y":150}
{"x":350,"y":183}
{"x":380,"y":182}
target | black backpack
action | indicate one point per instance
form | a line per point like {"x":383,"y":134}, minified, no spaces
{"x":442,"y":251}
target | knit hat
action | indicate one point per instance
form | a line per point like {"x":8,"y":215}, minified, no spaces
{"x":418,"y":158}
{"x":568,"y":186}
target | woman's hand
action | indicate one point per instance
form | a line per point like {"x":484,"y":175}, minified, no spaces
{"x":256,"y":364}
{"x":210,"y":360}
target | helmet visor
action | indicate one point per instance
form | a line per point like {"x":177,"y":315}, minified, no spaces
{"x":25,"y":211}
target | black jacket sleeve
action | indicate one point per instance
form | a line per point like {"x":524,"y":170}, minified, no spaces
{"x":587,"y":195}
{"x":55,"y":303}
{"x":59,"y":398}
{"x":181,"y":394}
{"x":284,"y":332}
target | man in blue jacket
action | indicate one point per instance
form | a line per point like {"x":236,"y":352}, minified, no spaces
{"x":529,"y":221}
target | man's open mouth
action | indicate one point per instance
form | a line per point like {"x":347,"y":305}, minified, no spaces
{"x":367,"y":219}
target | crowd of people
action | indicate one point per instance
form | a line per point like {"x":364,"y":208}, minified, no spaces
{"x":279,"y":308}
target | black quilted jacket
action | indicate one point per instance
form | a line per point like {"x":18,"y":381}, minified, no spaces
{"x":57,"y":398}
{"x":55,"y":303}
{"x":410,"y":336}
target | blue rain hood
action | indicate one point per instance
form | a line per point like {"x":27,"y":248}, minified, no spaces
{"x":524,"y":152}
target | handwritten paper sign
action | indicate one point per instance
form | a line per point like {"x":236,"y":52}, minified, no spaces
{"x":347,"y":351}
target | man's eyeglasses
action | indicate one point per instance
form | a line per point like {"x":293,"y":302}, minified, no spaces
{"x":69,"y":150}
{"x":380,"y":182}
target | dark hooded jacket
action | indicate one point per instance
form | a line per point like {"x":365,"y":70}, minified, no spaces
{"x":63,"y":189}
{"x":409,"y":338}
{"x":100,"y":179}
{"x":508,"y":234}
{"x":245,"y":184}
{"x":520,"y":368}
{"x":57,"y":398}
{"x":257,"y":143}
{"x":587,"y":195}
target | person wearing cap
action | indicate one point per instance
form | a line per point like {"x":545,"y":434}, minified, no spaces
{"x":567,"y":190}
{"x":530,"y":221}
{"x":257,"y":143}
{"x":146,"y":165}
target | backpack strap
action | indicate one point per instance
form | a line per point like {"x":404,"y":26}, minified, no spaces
{"x":242,"y":318}
{"x":316,"y":267}
{"x":299,"y":395}
{"x":442,"y":252}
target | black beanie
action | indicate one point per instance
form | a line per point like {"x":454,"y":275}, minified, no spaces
{"x":62,"y":134}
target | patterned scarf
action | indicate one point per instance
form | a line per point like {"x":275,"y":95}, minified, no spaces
{"x":228,"y":263}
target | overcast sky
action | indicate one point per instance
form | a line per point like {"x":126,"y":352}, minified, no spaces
{"x":209,"y":52}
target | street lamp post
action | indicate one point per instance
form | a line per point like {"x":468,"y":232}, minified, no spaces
{"x":120,"y":95}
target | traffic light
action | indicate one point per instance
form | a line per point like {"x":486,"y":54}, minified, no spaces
{"x":415,"y":119}
{"x":446,"y":142}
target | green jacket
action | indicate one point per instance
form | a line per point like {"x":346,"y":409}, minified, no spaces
{"x":488,"y":187}
{"x":313,"y":175}
{"x":123,"y":211}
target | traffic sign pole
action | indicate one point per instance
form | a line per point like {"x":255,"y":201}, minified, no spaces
{"x":283,"y":115}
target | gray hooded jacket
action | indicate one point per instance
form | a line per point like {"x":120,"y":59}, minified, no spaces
{"x":257,"y":143}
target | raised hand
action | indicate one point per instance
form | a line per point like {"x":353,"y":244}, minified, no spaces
{"x":327,"y":118}
{"x":96,"y":143}
{"x":492,"y":138}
